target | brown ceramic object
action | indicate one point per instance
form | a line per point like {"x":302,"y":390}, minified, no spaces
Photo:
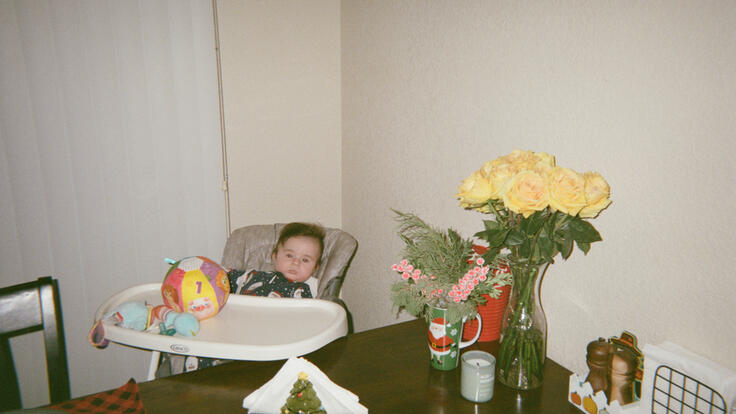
{"x":623,"y":369}
{"x":597,"y":359}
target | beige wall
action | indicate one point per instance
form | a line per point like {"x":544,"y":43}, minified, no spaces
{"x":281,"y":83}
{"x":643,"y":92}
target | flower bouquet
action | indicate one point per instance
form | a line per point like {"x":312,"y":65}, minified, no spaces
{"x":539,"y":210}
{"x":440,"y":269}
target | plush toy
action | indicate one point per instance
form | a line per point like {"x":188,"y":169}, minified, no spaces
{"x":175,"y":322}
{"x":196,"y":285}
{"x":140,"y":316}
{"x":132,"y":315}
{"x":194,"y":288}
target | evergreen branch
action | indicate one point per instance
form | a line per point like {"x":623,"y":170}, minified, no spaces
{"x":440,"y":253}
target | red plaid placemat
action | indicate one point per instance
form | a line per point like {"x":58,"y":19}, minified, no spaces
{"x":126,"y":399}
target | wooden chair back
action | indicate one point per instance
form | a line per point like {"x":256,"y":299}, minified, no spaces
{"x":25,"y":308}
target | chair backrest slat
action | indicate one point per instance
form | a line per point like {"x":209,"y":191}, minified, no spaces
{"x":20,"y":310}
{"x":25,"y":308}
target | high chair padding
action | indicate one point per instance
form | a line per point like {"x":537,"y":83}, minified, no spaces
{"x":250,"y":248}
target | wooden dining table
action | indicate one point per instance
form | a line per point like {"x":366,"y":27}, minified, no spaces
{"x":387,"y":368}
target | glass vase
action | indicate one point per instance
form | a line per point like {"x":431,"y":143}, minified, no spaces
{"x":523,"y":346}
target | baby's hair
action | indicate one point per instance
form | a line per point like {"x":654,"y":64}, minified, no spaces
{"x":314,"y":231}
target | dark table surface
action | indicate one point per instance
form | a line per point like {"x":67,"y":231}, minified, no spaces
{"x":388,"y":368}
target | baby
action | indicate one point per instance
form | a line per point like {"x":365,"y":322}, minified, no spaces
{"x":296,"y":256}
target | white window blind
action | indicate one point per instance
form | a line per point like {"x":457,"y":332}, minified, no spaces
{"x":110,"y":160}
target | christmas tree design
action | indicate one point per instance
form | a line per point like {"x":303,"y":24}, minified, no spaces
{"x":302,"y":398}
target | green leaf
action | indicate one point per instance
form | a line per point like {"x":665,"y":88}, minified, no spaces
{"x":547,"y":247}
{"x":562,"y":233}
{"x":564,"y":245}
{"x":515,"y":237}
{"x":533,"y":223}
{"x":583,"y":232}
{"x":585,"y":247}
{"x":494,"y":238}
{"x":491,"y":254}
{"x":525,"y":249}
{"x":561,"y":219}
{"x":492,"y":225}
{"x":498,"y":238}
{"x":562,"y":227}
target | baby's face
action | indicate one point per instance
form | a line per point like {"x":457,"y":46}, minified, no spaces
{"x":297,"y":258}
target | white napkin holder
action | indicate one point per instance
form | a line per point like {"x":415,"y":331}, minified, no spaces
{"x":676,"y":379}
{"x":271,"y":396}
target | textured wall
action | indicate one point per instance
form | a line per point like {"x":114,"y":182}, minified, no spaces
{"x":281,"y":83}
{"x":641,"y":91}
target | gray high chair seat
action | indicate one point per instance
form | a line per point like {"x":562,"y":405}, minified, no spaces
{"x":250,"y":248}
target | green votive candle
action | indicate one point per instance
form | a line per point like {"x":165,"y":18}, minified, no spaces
{"x":478,"y":374}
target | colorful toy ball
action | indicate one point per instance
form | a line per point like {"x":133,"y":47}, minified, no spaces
{"x":196,"y":285}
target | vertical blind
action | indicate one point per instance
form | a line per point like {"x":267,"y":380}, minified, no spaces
{"x":110,"y":160}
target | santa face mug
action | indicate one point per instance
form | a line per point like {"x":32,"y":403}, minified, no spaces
{"x":444,"y":339}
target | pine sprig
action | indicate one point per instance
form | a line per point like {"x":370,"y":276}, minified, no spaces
{"x":436,"y":252}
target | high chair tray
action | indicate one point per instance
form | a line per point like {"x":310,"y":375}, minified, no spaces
{"x":247,"y":328}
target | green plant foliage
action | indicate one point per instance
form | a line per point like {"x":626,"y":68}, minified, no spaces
{"x":538,"y":238}
{"x":442,"y":256}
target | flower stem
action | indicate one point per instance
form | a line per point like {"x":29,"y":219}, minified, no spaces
{"x":521,"y":351}
{"x":499,"y":217}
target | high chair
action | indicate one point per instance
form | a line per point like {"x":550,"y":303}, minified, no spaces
{"x":244,"y":328}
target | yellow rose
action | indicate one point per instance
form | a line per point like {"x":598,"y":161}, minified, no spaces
{"x":597,"y":192}
{"x":520,"y":156}
{"x":566,"y":190}
{"x":544,"y":162}
{"x":488,"y":166}
{"x":526,"y":193}
{"x":522,"y":160}
{"x":474,"y":191}
{"x":498,"y":177}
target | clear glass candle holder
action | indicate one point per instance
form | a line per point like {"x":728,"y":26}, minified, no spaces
{"x":477,"y":376}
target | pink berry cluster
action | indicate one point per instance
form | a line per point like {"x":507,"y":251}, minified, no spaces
{"x":469,"y":281}
{"x":459,"y":291}
{"x":408,"y":271}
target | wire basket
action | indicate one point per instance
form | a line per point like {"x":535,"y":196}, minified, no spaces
{"x":675,"y":392}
